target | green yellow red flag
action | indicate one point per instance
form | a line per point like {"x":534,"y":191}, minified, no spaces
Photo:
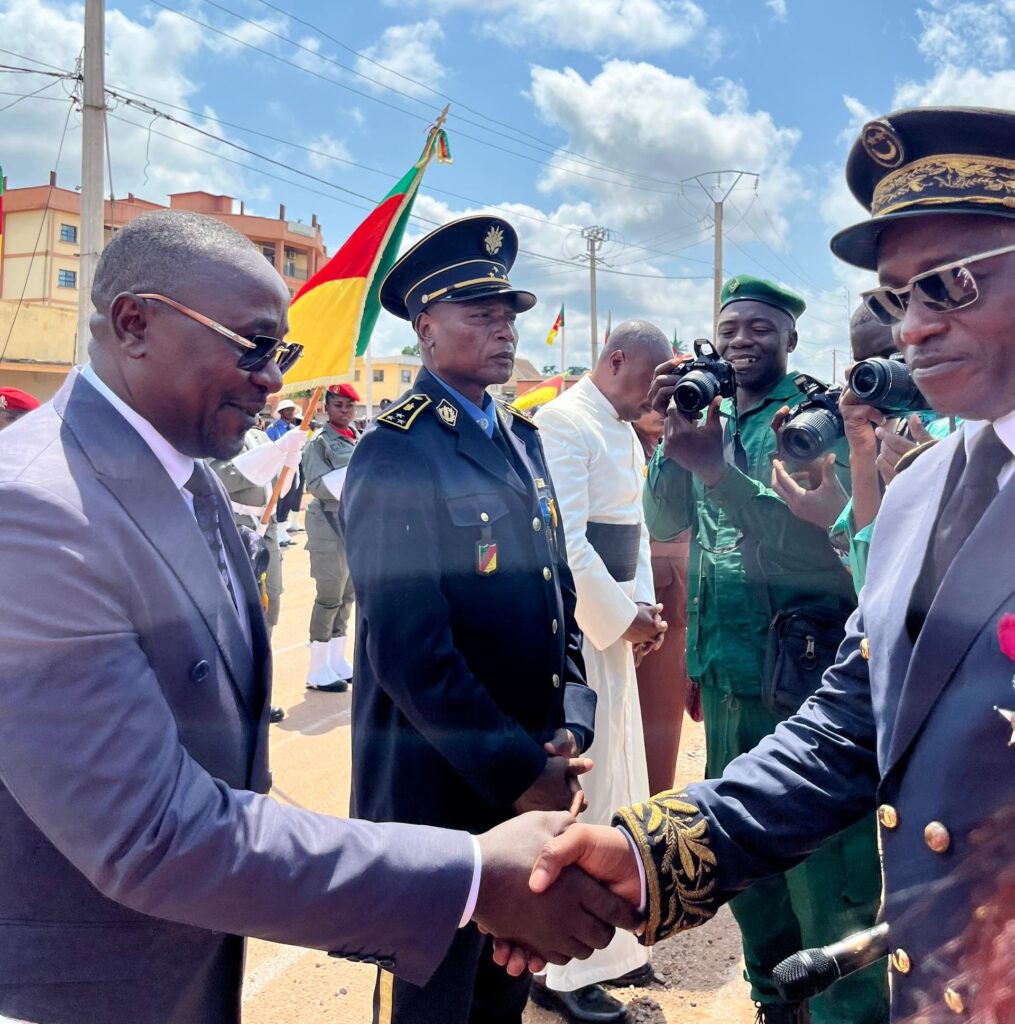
{"x":333,"y":315}
{"x":557,"y":325}
{"x":540,"y":395}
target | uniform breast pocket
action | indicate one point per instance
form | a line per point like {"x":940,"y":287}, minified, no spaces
{"x":478,"y":519}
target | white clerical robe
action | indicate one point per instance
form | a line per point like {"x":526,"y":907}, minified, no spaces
{"x":597,"y":465}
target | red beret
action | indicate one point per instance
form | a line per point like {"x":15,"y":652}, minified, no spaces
{"x":15,"y":398}
{"x":345,"y":390}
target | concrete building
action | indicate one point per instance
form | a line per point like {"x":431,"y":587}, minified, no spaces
{"x":39,"y":269}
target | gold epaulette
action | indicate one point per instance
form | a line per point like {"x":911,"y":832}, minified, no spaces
{"x":913,"y":454}
{"x":519,"y":415}
{"x":403,"y":414}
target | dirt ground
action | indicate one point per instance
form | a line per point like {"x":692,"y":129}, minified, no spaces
{"x":701,"y":971}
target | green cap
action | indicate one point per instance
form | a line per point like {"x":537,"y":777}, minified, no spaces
{"x":744,"y":286}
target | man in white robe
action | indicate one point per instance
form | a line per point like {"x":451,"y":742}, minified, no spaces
{"x":597,"y":465}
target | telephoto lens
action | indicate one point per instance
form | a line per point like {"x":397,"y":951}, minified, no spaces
{"x":887,"y":385}
{"x":811,"y":433}
{"x":696,"y":390}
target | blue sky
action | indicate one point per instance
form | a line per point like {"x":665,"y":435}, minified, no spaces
{"x":605,"y":106}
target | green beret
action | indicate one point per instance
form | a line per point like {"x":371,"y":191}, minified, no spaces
{"x":744,"y":286}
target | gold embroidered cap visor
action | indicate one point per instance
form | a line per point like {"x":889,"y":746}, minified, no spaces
{"x":929,"y":161}
{"x":465,"y":260}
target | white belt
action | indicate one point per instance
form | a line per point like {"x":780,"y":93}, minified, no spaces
{"x":254,"y":511}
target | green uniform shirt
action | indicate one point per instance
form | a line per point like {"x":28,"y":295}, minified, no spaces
{"x":326,"y":451}
{"x":740,"y":521}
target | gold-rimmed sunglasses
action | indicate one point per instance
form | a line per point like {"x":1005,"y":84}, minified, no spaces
{"x":260,"y":349}
{"x":943,"y":289}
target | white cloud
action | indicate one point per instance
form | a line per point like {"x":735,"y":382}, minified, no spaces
{"x":969,"y":33}
{"x":778,"y":8}
{"x":598,"y":26}
{"x":326,"y":150}
{"x":405,"y":50}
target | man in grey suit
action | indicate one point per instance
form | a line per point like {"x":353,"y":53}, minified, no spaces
{"x":917,"y":716}
{"x":136,"y":845}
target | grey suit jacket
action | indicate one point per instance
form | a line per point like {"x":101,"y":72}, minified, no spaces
{"x":135,"y":842}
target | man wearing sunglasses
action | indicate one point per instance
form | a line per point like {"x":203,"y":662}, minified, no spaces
{"x":138,"y":845}
{"x":917,"y":717}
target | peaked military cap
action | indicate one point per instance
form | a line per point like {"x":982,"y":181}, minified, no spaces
{"x":744,"y":286}
{"x":462,"y":261}
{"x":928,"y":161}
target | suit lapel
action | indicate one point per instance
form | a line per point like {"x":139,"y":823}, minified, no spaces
{"x":976,"y":584}
{"x":134,"y":476}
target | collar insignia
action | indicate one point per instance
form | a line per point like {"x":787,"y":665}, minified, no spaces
{"x":447,"y":412}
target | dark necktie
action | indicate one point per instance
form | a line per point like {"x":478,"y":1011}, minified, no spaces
{"x":206,"y":513}
{"x":974,"y":488}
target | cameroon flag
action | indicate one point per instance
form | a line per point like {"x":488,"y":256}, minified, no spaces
{"x":333,"y":315}
{"x":557,"y":325}
{"x":540,"y":395}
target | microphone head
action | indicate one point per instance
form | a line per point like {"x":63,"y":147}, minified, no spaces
{"x":804,"y":974}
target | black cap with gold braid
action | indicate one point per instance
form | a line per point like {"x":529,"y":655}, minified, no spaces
{"x":465,"y":260}
{"x":928,"y":161}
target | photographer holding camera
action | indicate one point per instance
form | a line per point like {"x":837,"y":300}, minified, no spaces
{"x":759,"y":574}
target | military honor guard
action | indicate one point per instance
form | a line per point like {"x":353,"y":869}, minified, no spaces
{"x":288,"y":417}
{"x":325,"y":463}
{"x":470,"y":697}
{"x":916,"y":716}
{"x":598,"y":469}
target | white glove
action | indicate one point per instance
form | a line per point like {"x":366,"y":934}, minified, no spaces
{"x":291,"y":445}
{"x":260,"y":464}
{"x":334,"y":481}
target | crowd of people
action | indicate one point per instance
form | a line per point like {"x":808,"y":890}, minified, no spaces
{"x":822,"y":574}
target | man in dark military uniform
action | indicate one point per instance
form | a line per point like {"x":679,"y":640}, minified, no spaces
{"x":917,"y":716}
{"x":470,"y":703}
{"x":325,"y":463}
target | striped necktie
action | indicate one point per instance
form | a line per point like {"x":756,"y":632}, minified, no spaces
{"x":207,"y":514}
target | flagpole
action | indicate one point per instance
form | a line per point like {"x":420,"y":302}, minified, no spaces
{"x":563,"y":333}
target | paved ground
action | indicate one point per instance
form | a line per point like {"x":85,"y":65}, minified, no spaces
{"x":310,"y":760}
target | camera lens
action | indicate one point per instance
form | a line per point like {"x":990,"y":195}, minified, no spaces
{"x":696,"y":390}
{"x":887,"y":385}
{"x":811,"y":433}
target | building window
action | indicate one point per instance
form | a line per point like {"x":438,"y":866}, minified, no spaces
{"x":378,"y":376}
{"x":355,"y":377}
{"x":68,"y":233}
{"x":67,"y":278}
{"x":407,"y":376}
{"x":268,"y":252}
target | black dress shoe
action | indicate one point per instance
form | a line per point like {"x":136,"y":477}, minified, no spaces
{"x":339,"y":686}
{"x":782,"y":1013}
{"x":275,"y":714}
{"x":640,"y":977}
{"x":591,"y":1004}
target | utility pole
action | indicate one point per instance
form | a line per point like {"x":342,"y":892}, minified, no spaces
{"x":93,"y":127}
{"x":594,"y":238}
{"x":718,"y":193}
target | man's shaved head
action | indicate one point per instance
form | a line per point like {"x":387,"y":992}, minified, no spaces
{"x":164,"y":252}
{"x":868,"y":337}
{"x":625,"y":369}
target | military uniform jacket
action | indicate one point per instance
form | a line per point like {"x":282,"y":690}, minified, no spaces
{"x":240,"y":490}
{"x":911,"y":729}
{"x":327,"y":451}
{"x":468,"y":657}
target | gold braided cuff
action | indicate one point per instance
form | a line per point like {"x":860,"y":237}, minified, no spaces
{"x":672,"y":838}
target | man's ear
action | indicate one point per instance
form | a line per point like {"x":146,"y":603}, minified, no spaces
{"x":128,"y":323}
{"x":617,"y":361}
{"x":791,"y":344}
{"x":424,"y":331}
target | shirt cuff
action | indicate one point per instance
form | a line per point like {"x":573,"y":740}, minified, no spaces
{"x":477,"y":872}
{"x":641,"y":868}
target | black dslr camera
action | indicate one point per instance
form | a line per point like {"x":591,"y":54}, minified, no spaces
{"x":887,"y":385}
{"x":703,"y":379}
{"x":816,"y":424}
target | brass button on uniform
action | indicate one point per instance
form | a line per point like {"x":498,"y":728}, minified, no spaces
{"x":547,"y":575}
{"x":484,"y":517}
{"x":888,"y":816}
{"x":865,"y":649}
{"x":954,"y":1001}
{"x":901,"y":961}
{"x":553,"y":626}
{"x":537,"y":524}
{"x":936,"y":837}
{"x":556,"y":681}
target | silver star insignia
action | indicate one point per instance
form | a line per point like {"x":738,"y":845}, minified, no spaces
{"x":1009,"y":717}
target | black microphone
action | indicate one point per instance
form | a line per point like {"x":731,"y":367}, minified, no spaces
{"x":811,"y":971}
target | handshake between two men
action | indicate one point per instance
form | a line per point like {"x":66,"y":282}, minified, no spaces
{"x":553,"y":890}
